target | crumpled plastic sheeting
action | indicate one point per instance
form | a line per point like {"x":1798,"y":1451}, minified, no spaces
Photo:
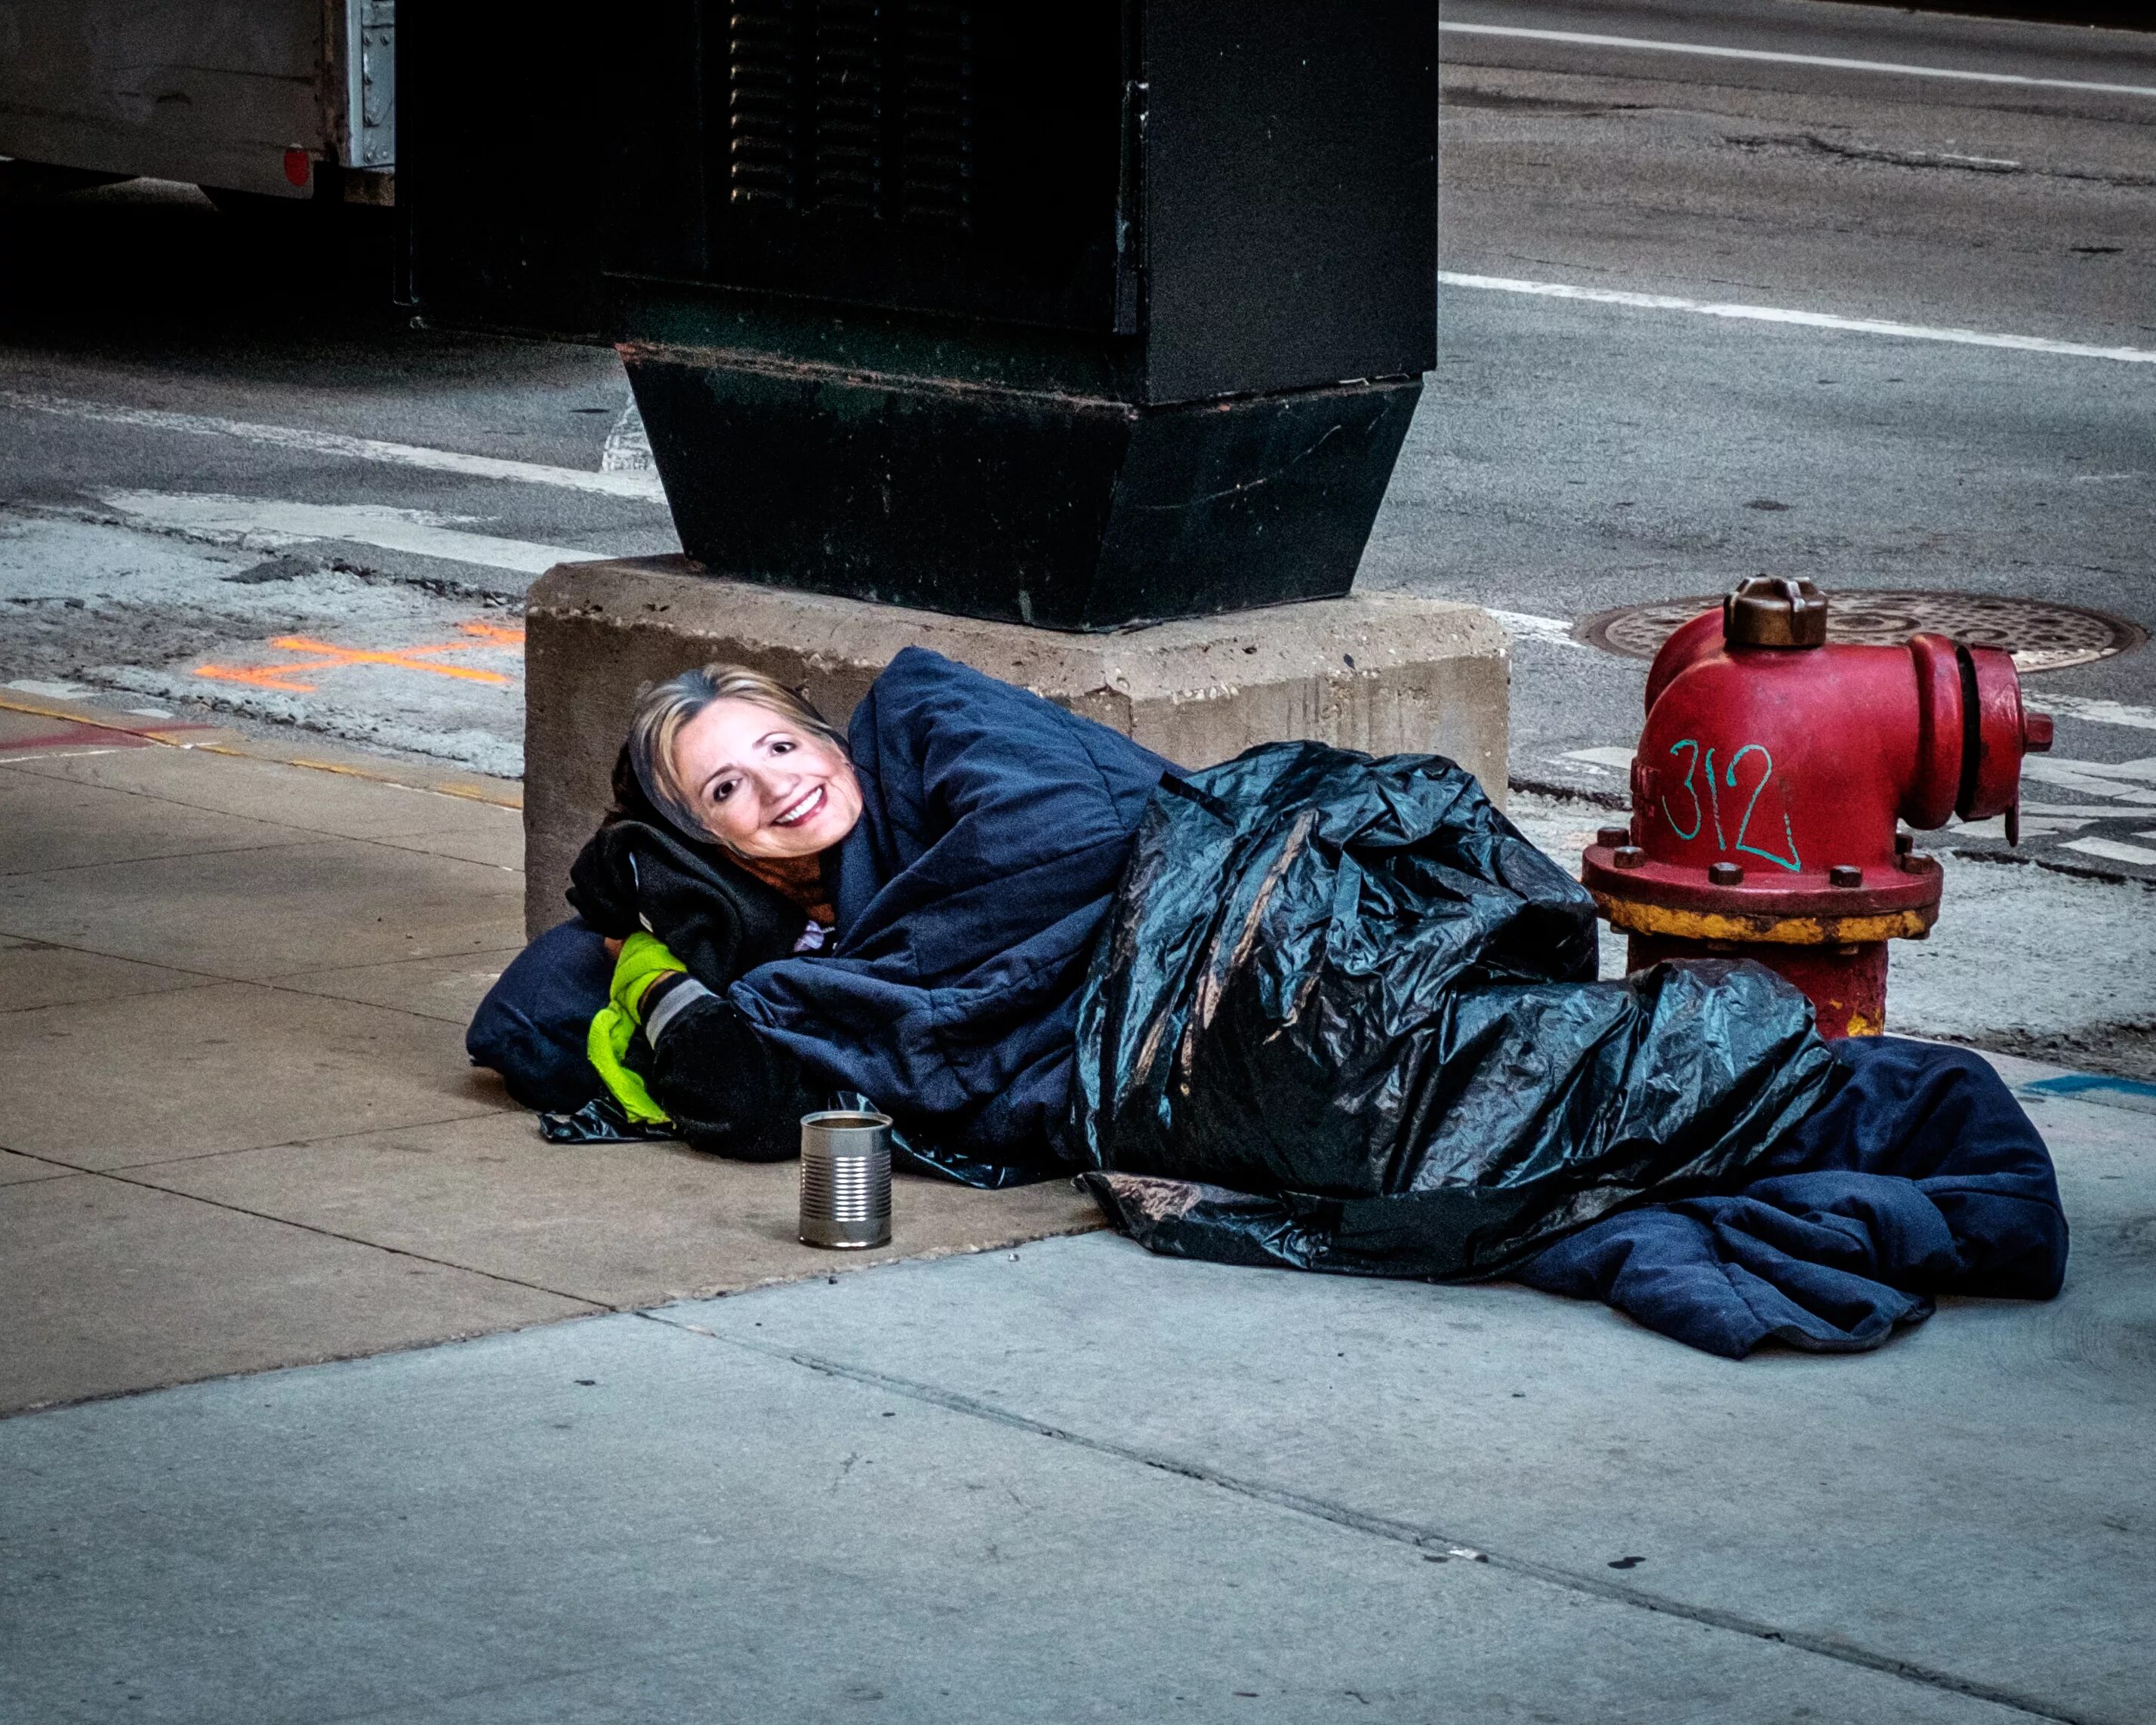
{"x":1343,"y":1019}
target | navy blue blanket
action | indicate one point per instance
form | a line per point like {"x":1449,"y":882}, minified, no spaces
{"x":994,"y":829}
{"x":1920,"y":1175}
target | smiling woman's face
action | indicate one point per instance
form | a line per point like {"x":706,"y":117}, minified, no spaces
{"x":760,"y":784}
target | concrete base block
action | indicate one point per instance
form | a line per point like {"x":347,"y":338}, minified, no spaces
{"x":1381,"y":672}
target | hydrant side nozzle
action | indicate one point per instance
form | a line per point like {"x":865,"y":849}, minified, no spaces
{"x":1942,"y":728}
{"x":1997,"y":726}
{"x":2035,"y":733}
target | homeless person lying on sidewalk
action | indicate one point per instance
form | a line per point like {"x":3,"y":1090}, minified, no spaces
{"x":1306,"y":1009}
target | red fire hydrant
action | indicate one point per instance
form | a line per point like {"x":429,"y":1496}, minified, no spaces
{"x":1768,"y":784}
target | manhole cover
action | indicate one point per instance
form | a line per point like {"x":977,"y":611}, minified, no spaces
{"x":2042,"y":636}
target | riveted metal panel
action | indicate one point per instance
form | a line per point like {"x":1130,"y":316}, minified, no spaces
{"x":373,"y":135}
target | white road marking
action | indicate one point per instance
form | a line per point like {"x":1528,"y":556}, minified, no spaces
{"x":51,"y":691}
{"x":2092,"y":711}
{"x":642,"y":486}
{"x":2086,"y":777}
{"x":1810,"y":319}
{"x":53,"y":755}
{"x":264,"y":524}
{"x":2111,"y":850}
{"x":1621,"y":759}
{"x":1582,"y":39}
{"x":1552,"y":631}
{"x":628,"y":445}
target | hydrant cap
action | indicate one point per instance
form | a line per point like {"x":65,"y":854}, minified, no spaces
{"x":1772,"y":611}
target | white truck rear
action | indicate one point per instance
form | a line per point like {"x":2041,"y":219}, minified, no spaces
{"x":278,"y":98}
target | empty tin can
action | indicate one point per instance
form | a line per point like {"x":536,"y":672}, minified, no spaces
{"x":845,"y":1178}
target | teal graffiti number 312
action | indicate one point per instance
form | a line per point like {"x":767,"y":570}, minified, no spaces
{"x":1689,"y":749}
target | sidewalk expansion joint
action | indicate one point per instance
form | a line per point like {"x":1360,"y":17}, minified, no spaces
{"x":313,"y":1141}
{"x":156,"y":735}
{"x":281,"y":983}
{"x":408,"y":843}
{"x":241,"y":1209}
{"x":1423,"y":1539}
{"x":129,"y":862}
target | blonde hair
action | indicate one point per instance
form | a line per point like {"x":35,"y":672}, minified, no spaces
{"x":662,"y":709}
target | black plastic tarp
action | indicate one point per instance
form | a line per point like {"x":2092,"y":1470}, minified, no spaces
{"x":1344,"y":1017}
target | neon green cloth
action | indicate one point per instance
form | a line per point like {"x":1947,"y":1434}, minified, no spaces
{"x":643,"y":958}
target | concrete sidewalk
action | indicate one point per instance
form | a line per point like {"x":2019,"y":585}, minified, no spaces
{"x":1070,"y":1480}
{"x":1055,"y":1480}
{"x":238,"y":1129}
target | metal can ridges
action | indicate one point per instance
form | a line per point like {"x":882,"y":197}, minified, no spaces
{"x":845,"y":1178}
{"x":847,"y":1190}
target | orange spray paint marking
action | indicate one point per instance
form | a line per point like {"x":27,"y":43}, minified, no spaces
{"x":260,"y":676}
{"x":497,"y":635}
{"x":404,"y":658}
{"x":330,"y":658}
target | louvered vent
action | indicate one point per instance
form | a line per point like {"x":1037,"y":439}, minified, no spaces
{"x":761,"y":101}
{"x":935,"y":161}
{"x":849,"y":118}
{"x":855,"y":109}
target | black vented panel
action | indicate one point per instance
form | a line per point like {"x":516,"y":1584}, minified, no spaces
{"x":762,"y":104}
{"x":846,"y":96}
{"x":935,"y":155}
{"x":937,"y":116}
{"x":851,"y":110}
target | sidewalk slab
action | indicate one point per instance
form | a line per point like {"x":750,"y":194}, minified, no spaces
{"x":33,"y":973}
{"x":1973,"y":1500}
{"x":272,"y":1294}
{"x":1055,"y":1479}
{"x":14,"y":1170}
{"x":622,"y":1521}
{"x":1072,"y":1479}
{"x":247,"y":979}
{"x":320,"y":903}
{"x":619,"y":1225}
{"x":23,"y":714}
{"x":320,"y":802}
{"x":230,"y":1065}
{"x":447,"y":988}
{"x":59,"y":822}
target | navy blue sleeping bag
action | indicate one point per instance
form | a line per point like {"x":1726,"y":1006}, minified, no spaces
{"x":533,"y":1026}
{"x":1920,"y":1175}
{"x":1746,"y":1183}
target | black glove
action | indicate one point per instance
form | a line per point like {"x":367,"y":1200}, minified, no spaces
{"x":727,"y":1090}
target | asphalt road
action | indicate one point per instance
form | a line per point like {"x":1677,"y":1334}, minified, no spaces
{"x":179,"y":392}
{"x":1574,"y":456}
{"x":184,"y":518}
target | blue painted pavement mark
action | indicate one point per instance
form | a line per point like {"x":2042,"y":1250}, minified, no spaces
{"x":2132,"y":1093}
